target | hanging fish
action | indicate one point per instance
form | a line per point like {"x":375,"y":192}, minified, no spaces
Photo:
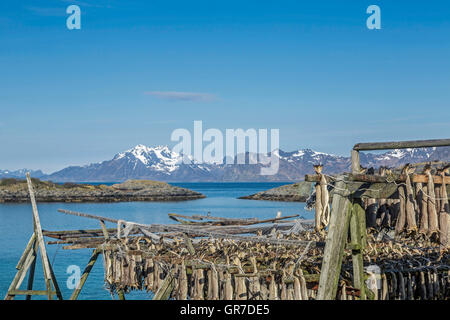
{"x":283,"y":295}
{"x":318,"y":203}
{"x":240,"y":287}
{"x":401,"y":285}
{"x":273,"y":288}
{"x":343,"y":295}
{"x":444,"y":225}
{"x":228,"y":288}
{"x":401,"y":219}
{"x":423,"y":208}
{"x":198,"y":284}
{"x":213,"y":284}
{"x":433,"y":224}
{"x":297,"y":289}
{"x":182,"y":291}
{"x":410,"y":208}
{"x":384,"y":287}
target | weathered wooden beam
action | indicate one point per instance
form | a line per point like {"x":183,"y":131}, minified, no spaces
{"x":85,"y":275}
{"x":166,"y":287}
{"x":20,"y":275}
{"x":357,"y":235}
{"x":31,"y":271}
{"x":86,"y":215}
{"x":40,"y":237}
{"x":316,"y":178}
{"x":28,"y":248}
{"x":398,"y":178}
{"x":335,"y":245}
{"x":402,"y":144}
{"x":189,"y":244}
{"x":356,"y":167}
{"x":375,"y":187}
{"x":31,"y":292}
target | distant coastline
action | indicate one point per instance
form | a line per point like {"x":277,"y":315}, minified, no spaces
{"x":16,"y":191}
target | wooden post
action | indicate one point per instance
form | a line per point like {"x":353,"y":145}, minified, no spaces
{"x":85,"y":275}
{"x":356,"y":168}
{"x":357,"y":236}
{"x":166,"y":287}
{"x":335,"y":243}
{"x":40,"y":237}
{"x":31,"y":272}
{"x":121,"y":294}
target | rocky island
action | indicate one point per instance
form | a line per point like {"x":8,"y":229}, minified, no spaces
{"x":299,"y":192}
{"x":15,"y":190}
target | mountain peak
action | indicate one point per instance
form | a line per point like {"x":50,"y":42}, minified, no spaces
{"x":160,"y":158}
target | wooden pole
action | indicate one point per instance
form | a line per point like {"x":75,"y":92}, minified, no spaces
{"x":32,"y":268}
{"x":335,"y":244}
{"x":40,"y":237}
{"x":166,"y":287}
{"x":357,"y":247}
{"x":85,"y":275}
{"x":356,"y":167}
{"x":402,"y":144}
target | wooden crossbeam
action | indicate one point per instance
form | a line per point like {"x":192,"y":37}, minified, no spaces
{"x":402,"y":144}
{"x":397,"y":178}
{"x":375,"y":187}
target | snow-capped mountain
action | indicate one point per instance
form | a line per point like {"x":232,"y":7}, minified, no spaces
{"x":19,"y":174}
{"x":140,"y":162}
{"x":161,"y":163}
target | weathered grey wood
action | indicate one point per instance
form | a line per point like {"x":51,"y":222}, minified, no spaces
{"x":40,"y":237}
{"x":198,"y":232}
{"x":20,"y":275}
{"x":166,"y":287}
{"x":31,"y":292}
{"x":54,"y":282}
{"x":31,"y":271}
{"x":85,"y":275}
{"x":356,"y":167}
{"x":335,"y":244}
{"x":402,"y":144}
{"x":189,"y":244}
{"x":398,"y":178}
{"x":359,"y":211}
{"x":104,"y":230}
{"x":86,"y":215}
{"x":29,"y":247}
{"x":357,"y":241}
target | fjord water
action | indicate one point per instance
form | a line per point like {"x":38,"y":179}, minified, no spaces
{"x":16,"y":227}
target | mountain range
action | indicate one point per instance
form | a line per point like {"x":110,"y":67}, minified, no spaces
{"x":160,"y":163}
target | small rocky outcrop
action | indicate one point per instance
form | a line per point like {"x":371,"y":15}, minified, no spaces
{"x":13,"y":190}
{"x":299,"y":192}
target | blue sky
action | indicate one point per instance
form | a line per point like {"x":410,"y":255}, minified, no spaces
{"x":137,"y":70}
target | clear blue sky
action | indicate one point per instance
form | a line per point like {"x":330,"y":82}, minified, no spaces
{"x":310,"y":68}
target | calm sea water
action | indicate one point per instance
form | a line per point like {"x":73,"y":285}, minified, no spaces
{"x":16,"y":227}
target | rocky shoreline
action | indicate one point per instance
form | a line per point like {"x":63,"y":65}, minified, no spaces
{"x":16,"y":191}
{"x":297,"y":192}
